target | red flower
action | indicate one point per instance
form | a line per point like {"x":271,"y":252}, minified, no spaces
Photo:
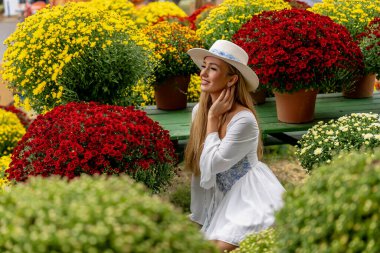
{"x":300,"y":48}
{"x":92,"y":138}
{"x":193,"y":17}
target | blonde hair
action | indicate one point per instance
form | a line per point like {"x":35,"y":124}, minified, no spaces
{"x":198,"y":128}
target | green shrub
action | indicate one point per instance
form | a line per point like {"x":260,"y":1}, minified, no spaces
{"x":92,"y":214}
{"x":180,"y":197}
{"x":336,"y":210}
{"x":258,"y":243}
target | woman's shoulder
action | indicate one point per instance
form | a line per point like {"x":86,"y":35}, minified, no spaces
{"x":242,"y":114}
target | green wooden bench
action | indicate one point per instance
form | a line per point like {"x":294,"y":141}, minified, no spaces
{"x":328,"y":106}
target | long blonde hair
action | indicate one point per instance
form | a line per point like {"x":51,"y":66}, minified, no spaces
{"x":198,"y":128}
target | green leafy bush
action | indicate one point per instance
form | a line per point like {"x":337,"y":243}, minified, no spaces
{"x":180,"y":197}
{"x":336,"y":210}
{"x":262,"y":242}
{"x":93,"y":214}
{"x":107,"y":75}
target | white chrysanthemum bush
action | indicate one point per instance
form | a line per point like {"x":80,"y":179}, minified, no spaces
{"x":324,"y":141}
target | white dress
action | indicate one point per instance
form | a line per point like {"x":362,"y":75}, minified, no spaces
{"x":236,"y":194}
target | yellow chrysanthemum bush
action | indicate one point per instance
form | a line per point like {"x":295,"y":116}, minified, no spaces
{"x":353,"y":14}
{"x":4,"y":163}
{"x":11,"y":131}
{"x":194,"y":90}
{"x":145,"y":90}
{"x":124,"y":8}
{"x":226,"y":19}
{"x":172,"y":41}
{"x":152,"y":12}
{"x":72,"y":53}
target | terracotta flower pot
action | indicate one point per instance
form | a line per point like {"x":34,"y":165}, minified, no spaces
{"x":363,"y":87}
{"x":259,"y":96}
{"x":171,"y":94}
{"x":297,"y":107}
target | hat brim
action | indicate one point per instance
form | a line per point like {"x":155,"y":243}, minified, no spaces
{"x":198,"y":55}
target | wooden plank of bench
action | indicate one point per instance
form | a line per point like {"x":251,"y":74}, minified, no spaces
{"x":328,"y":106}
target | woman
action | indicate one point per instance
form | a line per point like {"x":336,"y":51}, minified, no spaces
{"x":233,"y":194}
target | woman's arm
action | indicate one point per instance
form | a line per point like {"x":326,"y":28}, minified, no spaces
{"x":220,"y":155}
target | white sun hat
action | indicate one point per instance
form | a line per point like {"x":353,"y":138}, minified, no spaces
{"x":230,"y":53}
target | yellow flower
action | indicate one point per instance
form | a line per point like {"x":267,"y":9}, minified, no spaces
{"x":150,"y":13}
{"x":350,"y":13}
{"x":227,"y":18}
{"x":11,"y":131}
{"x":40,"y":48}
{"x":4,"y":164}
{"x":172,"y":41}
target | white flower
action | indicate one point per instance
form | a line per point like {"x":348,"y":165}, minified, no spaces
{"x":330,"y":132}
{"x":318,"y":151}
{"x":343,"y":128}
{"x":367,"y":136}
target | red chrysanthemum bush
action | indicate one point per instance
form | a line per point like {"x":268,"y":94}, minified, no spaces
{"x":296,"y":49}
{"x":91,"y":138}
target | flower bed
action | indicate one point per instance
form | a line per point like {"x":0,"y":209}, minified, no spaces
{"x":89,"y":138}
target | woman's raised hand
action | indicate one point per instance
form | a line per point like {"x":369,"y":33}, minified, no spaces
{"x":223,"y":103}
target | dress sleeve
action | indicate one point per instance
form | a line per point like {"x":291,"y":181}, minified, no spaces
{"x":220,"y":155}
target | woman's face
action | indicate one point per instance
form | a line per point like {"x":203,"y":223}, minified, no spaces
{"x":214,"y":75}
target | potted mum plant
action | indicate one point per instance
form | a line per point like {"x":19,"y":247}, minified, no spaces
{"x":299,"y":53}
{"x":172,"y":41}
{"x":369,"y":43}
{"x":71,"y":53}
